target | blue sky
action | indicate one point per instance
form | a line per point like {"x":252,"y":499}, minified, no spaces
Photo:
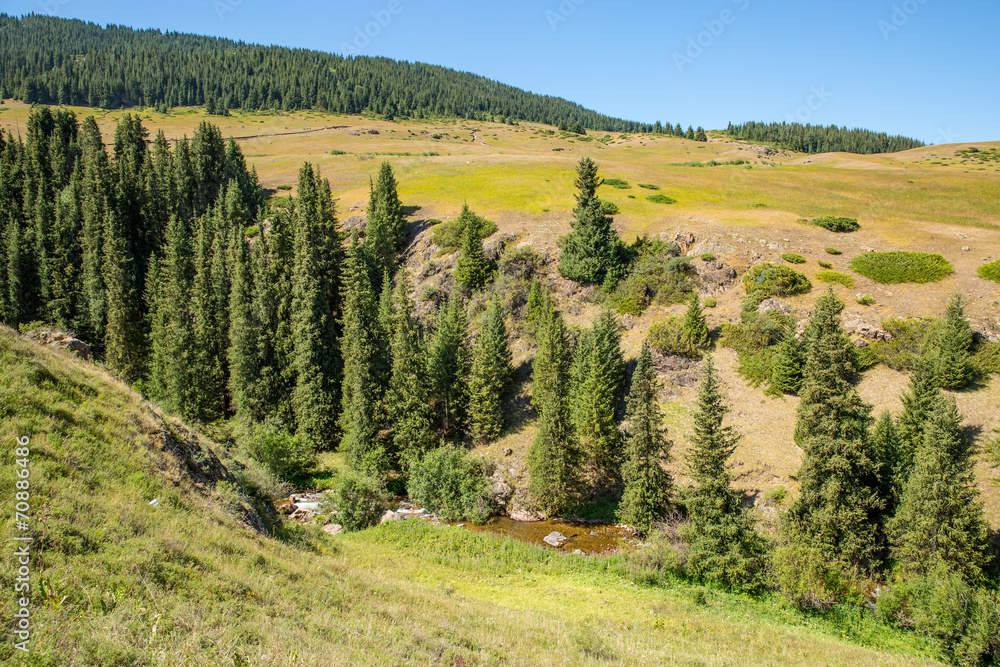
{"x":924,"y":68}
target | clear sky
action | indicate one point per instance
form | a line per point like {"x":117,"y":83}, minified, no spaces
{"x":929,"y":69}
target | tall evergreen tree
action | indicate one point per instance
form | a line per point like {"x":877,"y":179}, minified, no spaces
{"x":722,"y":544}
{"x":123,"y":331}
{"x":385,"y":230}
{"x":885,"y":453}
{"x":789,"y":364}
{"x":833,"y":514}
{"x":940,"y":520}
{"x":554,"y":456}
{"x":921,"y":394}
{"x":448,"y":369}
{"x":953,"y":364}
{"x":243,"y":354}
{"x":600,"y":370}
{"x":315,"y":299}
{"x":490,"y":376}
{"x":408,"y":399}
{"x":589,"y":252}
{"x":695,"y":326}
{"x":473,"y":269}
{"x":648,"y":486}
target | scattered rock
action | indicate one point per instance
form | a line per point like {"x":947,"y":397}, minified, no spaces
{"x":555,"y":539}
{"x":333,"y":529}
{"x":579,"y":552}
{"x":764,"y":151}
{"x":356,"y":222}
{"x":508,"y":452}
{"x":867,"y":331}
{"x":774,"y":304}
{"x":860,"y":342}
{"x":501,"y":489}
{"x":388,"y":516}
{"x":61,"y":339}
{"x":966,"y":248}
{"x":373,"y":132}
{"x":494,"y":246}
{"x":685,"y":240}
{"x":715,"y":275}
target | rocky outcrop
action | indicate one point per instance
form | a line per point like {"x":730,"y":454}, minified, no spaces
{"x":866,"y":330}
{"x":494,"y":246}
{"x":63,"y":340}
{"x":774,"y":304}
{"x":715,"y":275}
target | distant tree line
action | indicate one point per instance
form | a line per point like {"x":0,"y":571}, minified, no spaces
{"x":821,"y":139}
{"x":50,"y":60}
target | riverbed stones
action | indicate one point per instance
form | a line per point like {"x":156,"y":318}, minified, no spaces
{"x":388,"y":516}
{"x":333,"y":529}
{"x":555,"y":539}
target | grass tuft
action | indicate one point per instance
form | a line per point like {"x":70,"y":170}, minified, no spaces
{"x":898,"y":266}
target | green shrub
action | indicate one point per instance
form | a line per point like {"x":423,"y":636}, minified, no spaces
{"x":835,"y":277}
{"x":661,"y":199}
{"x":452,"y":484}
{"x":865,"y":300}
{"x":898,"y":266}
{"x":655,"y":278}
{"x":986,"y":358}
{"x":252,"y":231}
{"x":359,"y":500}
{"x":667,"y":336}
{"x":617,"y":183}
{"x":909,"y":340}
{"x":710,"y":302}
{"x":283,"y":187}
{"x":448,"y":236}
{"x":833,"y":251}
{"x":990,"y":271}
{"x":767,"y":280}
{"x":825,"y":265}
{"x":337,"y":151}
{"x":793,"y":258}
{"x":942,"y":605}
{"x":707,"y":257}
{"x":754,"y":340}
{"x":609,"y":207}
{"x":286,"y":456}
{"x":433,"y":221}
{"x":835,"y":224}
{"x":649,"y":186}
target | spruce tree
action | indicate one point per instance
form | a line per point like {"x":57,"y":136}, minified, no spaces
{"x":648,"y":486}
{"x":838,"y":475}
{"x":953,"y":364}
{"x":243,"y":353}
{"x":490,"y":376}
{"x":885,"y":453}
{"x":315,"y":300}
{"x":940,"y":521}
{"x":600,"y":370}
{"x":589,"y":252}
{"x":695,"y":326}
{"x":407,"y":399}
{"x":391,"y":207}
{"x":385,"y":230}
{"x":361,"y":396}
{"x":554,"y":456}
{"x":722,"y":544}
{"x":448,"y":369}
{"x":123,"y":343}
{"x":920,"y":397}
{"x":789,"y":364}
{"x":473,"y":269}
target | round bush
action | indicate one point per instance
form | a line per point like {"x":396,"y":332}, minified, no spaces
{"x":661,"y":199}
{"x":668,"y":337}
{"x":766,"y":280}
{"x":835,"y":224}
{"x":793,"y":258}
{"x":902,"y":267}
{"x":286,"y":456}
{"x":452,"y":484}
{"x":833,"y":251}
{"x":359,"y":501}
{"x":835,"y":277}
{"x":990,"y":271}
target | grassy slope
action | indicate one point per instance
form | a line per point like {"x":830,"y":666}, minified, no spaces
{"x":185,"y":584}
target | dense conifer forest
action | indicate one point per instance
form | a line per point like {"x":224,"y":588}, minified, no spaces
{"x":821,"y":139}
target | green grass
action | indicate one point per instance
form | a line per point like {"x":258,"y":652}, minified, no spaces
{"x":793,"y":258}
{"x":835,"y":277}
{"x":837,"y":224}
{"x":648,"y":186}
{"x":617,"y":183}
{"x":990,"y":271}
{"x":898,"y":266}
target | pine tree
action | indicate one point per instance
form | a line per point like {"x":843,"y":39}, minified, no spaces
{"x":699,"y":134}
{"x":123,"y":329}
{"x":243,"y":353}
{"x":361,"y":393}
{"x":722,"y":544}
{"x":554,"y":455}
{"x":940,"y":520}
{"x":648,"y":486}
{"x":789,"y":364}
{"x":316,"y":283}
{"x":695,"y":327}
{"x":837,"y":476}
{"x":600,"y":376}
{"x":490,"y":376}
{"x":920,"y":397}
{"x":953,"y":365}
{"x":207,"y":374}
{"x":385,"y":230}
{"x":885,"y":454}
{"x":391,"y":206}
{"x":589,"y":252}
{"x":408,"y":400}
{"x":473,"y":269}
{"x":448,"y":369}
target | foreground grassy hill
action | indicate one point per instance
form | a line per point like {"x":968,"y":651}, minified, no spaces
{"x":116,"y":581}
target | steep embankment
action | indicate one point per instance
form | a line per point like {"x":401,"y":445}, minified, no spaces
{"x":117,"y":581}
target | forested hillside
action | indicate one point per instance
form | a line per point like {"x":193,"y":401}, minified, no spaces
{"x":57,"y":61}
{"x":822,"y":139}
